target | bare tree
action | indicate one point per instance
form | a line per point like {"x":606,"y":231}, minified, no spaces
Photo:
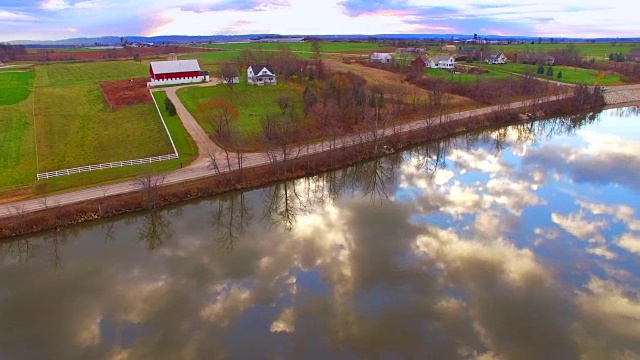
{"x":228,"y":74}
{"x":283,"y":103}
{"x":150,"y":186}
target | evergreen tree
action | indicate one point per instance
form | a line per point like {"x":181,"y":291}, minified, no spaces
{"x":168,"y":105}
{"x":560,"y":74}
{"x":541,"y":70}
{"x":549,"y":71}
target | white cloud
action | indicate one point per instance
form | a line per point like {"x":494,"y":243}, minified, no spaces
{"x":56,"y":5}
{"x":14,"y":16}
{"x":630,"y":242}
{"x":582,"y":228}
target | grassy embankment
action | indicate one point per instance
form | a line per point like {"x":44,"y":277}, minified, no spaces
{"x":74,"y":127}
{"x":570,"y":74}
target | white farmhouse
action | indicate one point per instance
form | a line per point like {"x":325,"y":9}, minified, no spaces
{"x":384,"y":58}
{"x":497,"y":58}
{"x":261,"y":75}
{"x":442,"y":62}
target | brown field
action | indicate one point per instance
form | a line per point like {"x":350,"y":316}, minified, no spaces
{"x":107,"y":54}
{"x":121,"y":93}
{"x":394,"y":83}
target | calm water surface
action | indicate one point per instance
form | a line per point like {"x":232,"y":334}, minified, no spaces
{"x":522,"y":243}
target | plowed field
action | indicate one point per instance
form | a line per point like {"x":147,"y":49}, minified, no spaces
{"x":121,"y":93}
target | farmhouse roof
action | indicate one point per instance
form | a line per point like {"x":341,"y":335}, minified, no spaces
{"x":439,"y":58}
{"x":494,"y":56}
{"x":257,"y":68}
{"x":634,"y":52}
{"x":380,"y":55}
{"x":175,"y":66}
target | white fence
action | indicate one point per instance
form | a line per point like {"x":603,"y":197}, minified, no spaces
{"x":111,"y":165}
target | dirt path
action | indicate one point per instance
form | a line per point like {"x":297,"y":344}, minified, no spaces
{"x":204,"y":144}
{"x":199,"y":168}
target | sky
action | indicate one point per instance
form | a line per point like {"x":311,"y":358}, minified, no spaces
{"x":62,"y":19}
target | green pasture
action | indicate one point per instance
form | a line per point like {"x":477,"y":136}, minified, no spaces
{"x":89,"y":72}
{"x":17,"y":149}
{"x":599,"y":51}
{"x":570,"y":75}
{"x":15,"y":87}
{"x":75,"y":128}
{"x":252,"y":103}
{"x":187,"y":149}
{"x":463,"y":77}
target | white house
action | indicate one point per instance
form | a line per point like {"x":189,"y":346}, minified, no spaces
{"x":261,"y":75}
{"x":497,"y":58}
{"x":442,"y":62}
{"x":384,"y":58}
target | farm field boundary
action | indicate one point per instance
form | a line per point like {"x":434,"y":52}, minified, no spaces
{"x":116,"y":164}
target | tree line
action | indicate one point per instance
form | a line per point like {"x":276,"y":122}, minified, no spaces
{"x":10,"y":52}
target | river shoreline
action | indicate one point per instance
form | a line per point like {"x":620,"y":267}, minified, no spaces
{"x":56,"y":217}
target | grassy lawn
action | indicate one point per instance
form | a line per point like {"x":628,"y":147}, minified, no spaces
{"x":252,"y":103}
{"x":75,"y":128}
{"x":89,"y":72}
{"x":462,"y":77}
{"x":15,"y":87}
{"x":17,"y":149}
{"x":185,"y":145}
{"x":569,"y":74}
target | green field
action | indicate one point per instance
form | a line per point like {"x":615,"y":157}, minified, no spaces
{"x":252,"y":103}
{"x":15,"y":87}
{"x":185,"y":145}
{"x":17,"y":150}
{"x":570,"y":75}
{"x":462,"y":77}
{"x":599,"y":51}
{"x":89,"y":72}
{"x":75,"y":128}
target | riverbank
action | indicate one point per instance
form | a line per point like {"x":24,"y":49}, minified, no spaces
{"x":622,"y":95}
{"x":22,"y":222}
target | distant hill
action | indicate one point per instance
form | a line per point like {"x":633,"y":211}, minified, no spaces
{"x":183,"y":39}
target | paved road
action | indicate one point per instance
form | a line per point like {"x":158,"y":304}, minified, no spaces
{"x":200,"y":167}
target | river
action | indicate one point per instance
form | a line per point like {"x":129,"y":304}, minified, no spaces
{"x":518,"y":243}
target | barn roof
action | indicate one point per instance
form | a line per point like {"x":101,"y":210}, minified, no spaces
{"x":176,"y":66}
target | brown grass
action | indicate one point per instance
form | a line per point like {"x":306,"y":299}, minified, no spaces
{"x":394,"y":82}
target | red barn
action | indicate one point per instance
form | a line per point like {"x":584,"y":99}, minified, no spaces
{"x":178,"y":69}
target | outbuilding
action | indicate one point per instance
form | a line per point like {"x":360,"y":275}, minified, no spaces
{"x":176,"y":72}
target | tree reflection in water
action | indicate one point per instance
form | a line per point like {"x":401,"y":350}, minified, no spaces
{"x":230,"y":220}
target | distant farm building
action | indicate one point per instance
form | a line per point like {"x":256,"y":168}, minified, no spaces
{"x":384,"y":58}
{"x":411,"y":50}
{"x":420,"y":62}
{"x":498,"y":58}
{"x":634,"y":54}
{"x":442,"y":62}
{"x":261,"y":75}
{"x":172,"y":57}
{"x":450,"y":48}
{"x":176,"y":72}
